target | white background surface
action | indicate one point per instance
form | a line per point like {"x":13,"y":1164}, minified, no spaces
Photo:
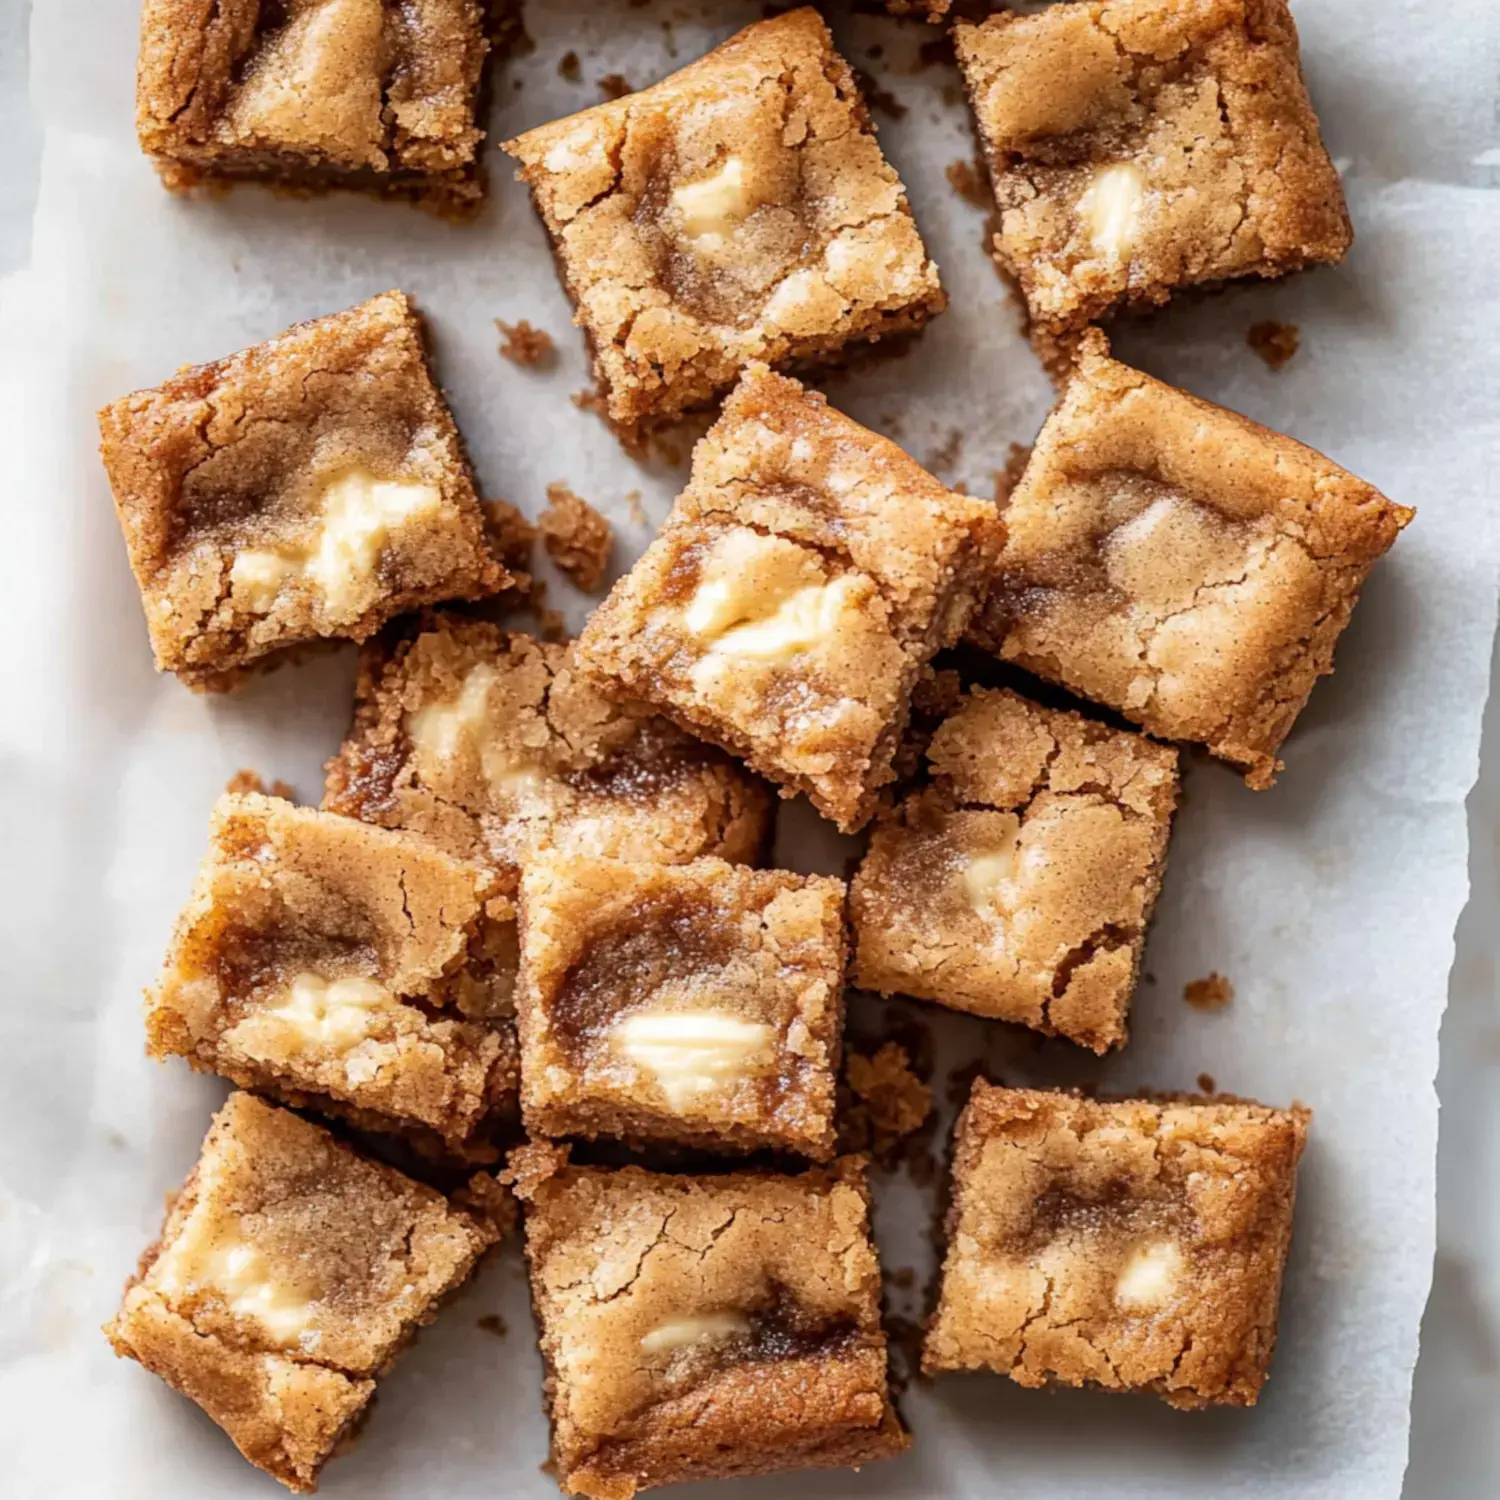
{"x":1325,"y":902}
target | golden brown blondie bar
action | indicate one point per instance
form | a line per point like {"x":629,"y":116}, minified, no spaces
{"x":705,"y":1327}
{"x":700,"y":1003}
{"x":738,"y":210}
{"x":803,"y":581}
{"x":306,"y":489}
{"x":344,"y":968}
{"x":380,"y":95}
{"x":290,"y":1273}
{"x":1180,"y":563}
{"x":1019,"y":884}
{"x":1134,"y":1245}
{"x":1137,"y":147}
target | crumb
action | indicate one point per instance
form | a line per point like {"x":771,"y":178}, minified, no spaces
{"x":1213,"y":993}
{"x":511,"y":537}
{"x":947,"y":455}
{"x":569,"y":68}
{"x":889,"y":1104}
{"x":906,"y":1336}
{"x":1276,"y":343}
{"x":246,"y":783}
{"x":637,"y":510}
{"x":1206,"y":1084}
{"x":968,"y":180}
{"x":614,"y":86}
{"x":524,"y":345}
{"x":577,"y":538}
{"x":1009,"y":477}
{"x":493,"y":1323}
{"x":879,"y":98}
{"x":1148,"y":978}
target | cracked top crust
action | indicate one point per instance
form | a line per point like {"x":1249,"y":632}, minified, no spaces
{"x":804,"y":578}
{"x":307,"y":488}
{"x":738,"y":210}
{"x":700,"y":1327}
{"x":1180,"y":563}
{"x":491,"y":744}
{"x":1019,"y":884}
{"x":313,"y":92}
{"x":289,"y":1273}
{"x":344,"y":968}
{"x":698,"y":1003}
{"x":1139,"y":146}
{"x":1132,"y":1245}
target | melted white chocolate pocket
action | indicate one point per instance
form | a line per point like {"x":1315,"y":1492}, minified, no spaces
{"x":1149,"y":1276}
{"x":701,"y":1328}
{"x":690,"y":1053}
{"x":1111,"y":209}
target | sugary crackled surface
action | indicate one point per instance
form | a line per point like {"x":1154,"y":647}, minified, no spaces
{"x":738,"y":210}
{"x":703,"y":1326}
{"x":491,"y":744}
{"x":1139,"y":146}
{"x":289,"y":1273}
{"x":343,"y":967}
{"x":317,"y":91}
{"x":1130,"y":1245}
{"x":1020,"y":883}
{"x":700,"y":1002}
{"x":309,"y":487}
{"x":805,"y":577}
{"x":1180,"y":563}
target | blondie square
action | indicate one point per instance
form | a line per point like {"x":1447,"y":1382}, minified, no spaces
{"x":1018,"y":885}
{"x":738,"y":210}
{"x":491,"y":744}
{"x":346,"y":969}
{"x":289,"y":1274}
{"x":306,"y":489}
{"x":1180,"y":563}
{"x":705,"y":1327}
{"x":1133,"y":1246}
{"x":369,"y":94}
{"x":1137,"y":147}
{"x":804,"y":579}
{"x":700,"y":1003}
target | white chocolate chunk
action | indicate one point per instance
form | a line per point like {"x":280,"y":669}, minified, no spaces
{"x":257,"y":575}
{"x":1163,"y":555}
{"x":1149,"y":1276}
{"x":1111,"y":209}
{"x":199,"y":1261}
{"x":983,"y":877}
{"x":692,"y":1052}
{"x":359,"y":514}
{"x":439,"y":730}
{"x":765,"y":599}
{"x":315,"y":1012}
{"x":715,"y":204}
{"x":702,"y":1328}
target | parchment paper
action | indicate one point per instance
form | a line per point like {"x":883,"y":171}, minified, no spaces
{"x":1330,"y":902}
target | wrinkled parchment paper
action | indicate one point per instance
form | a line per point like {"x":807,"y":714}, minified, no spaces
{"x":1329,"y":902}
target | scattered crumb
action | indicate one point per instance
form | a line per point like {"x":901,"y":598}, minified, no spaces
{"x":246,"y":783}
{"x":1148,"y":977}
{"x":946,"y":456}
{"x":570,"y":68}
{"x":1207,"y":1083}
{"x":577,"y":538}
{"x":967,"y":179}
{"x":879,"y":98}
{"x":524,"y":345}
{"x":1276,"y":343}
{"x":1213,"y":993}
{"x":511,"y":537}
{"x":493,"y":1323}
{"x":1009,"y":477}
{"x":591,"y":401}
{"x":886,"y":1111}
{"x":906,"y":1337}
{"x":614,"y":86}
{"x":637,"y":510}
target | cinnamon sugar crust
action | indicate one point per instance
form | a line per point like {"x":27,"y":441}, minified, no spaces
{"x":1130,"y":1245}
{"x":1138,"y":147}
{"x":290,"y":1273}
{"x":789,"y":607}
{"x":1180,"y":563}
{"x":366,"y":94}
{"x":706,"y":1327}
{"x":700,"y":1004}
{"x":738,"y":210}
{"x":1018,"y":885}
{"x":305,"y":489}
{"x":347,"y":969}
